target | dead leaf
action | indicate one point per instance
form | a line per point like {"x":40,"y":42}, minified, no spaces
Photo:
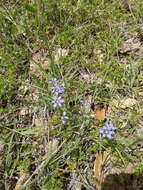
{"x":24,"y":111}
{"x":89,"y":76}
{"x":60,"y":53}
{"x":98,"y":167}
{"x":39,"y":56}
{"x":114,"y":103}
{"x":124,"y":103}
{"x":131,"y":44}
{"x":100,"y":114}
{"x":52,"y":146}
{"x":127,"y":102}
{"x":129,"y":168}
{"x":39,"y":60}
{"x":126,"y":5}
{"x":140,"y":93}
{"x":75,"y":183}
{"x":23,"y":177}
{"x":101,"y":167}
{"x":39,"y":121}
{"x":99,"y":111}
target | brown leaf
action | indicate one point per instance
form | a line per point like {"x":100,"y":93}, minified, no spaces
{"x":39,"y":60}
{"x":100,"y":114}
{"x":60,"y":53}
{"x":98,"y":167}
{"x":128,"y":102}
{"x":140,"y":93}
{"x":129,"y":168}
{"x":52,"y":146}
{"x":124,"y":103}
{"x":99,"y":111}
{"x":75,"y":183}
{"x":101,"y":167}
{"x":131,"y":44}
{"x":126,"y":5}
{"x":23,"y":177}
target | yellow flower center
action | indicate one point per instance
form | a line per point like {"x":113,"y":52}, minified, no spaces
{"x":106,"y":132}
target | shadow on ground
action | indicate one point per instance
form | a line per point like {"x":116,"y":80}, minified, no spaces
{"x":123,"y":181}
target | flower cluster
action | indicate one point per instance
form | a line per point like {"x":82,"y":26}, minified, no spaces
{"x":57,"y":89}
{"x":107,"y":131}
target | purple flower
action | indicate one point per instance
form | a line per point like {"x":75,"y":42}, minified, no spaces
{"x":64,"y":117}
{"x":57,"y":101}
{"x":62,"y":87}
{"x":86,"y":104}
{"x":108,"y":131}
{"x":58,"y":89}
{"x":54,"y":81}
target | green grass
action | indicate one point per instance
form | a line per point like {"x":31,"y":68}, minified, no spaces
{"x":33,"y":139}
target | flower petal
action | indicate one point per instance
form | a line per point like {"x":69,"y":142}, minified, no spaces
{"x":55,"y":105}
{"x":55,"y":98}
{"x":104,"y":135}
{"x":100,"y":131}
{"x":109,"y":136}
{"x":105,"y":128}
{"x":61,"y":101}
{"x":112,"y":132}
{"x":64,"y":113}
{"x":63,"y":121}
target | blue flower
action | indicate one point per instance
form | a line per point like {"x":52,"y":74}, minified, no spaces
{"x":85,"y":104}
{"x":54,"y":81}
{"x":64,"y":117}
{"x":62,"y":87}
{"x":59,"y":89}
{"x":57,"y":101}
{"x":108,"y":131}
{"x":56,"y":90}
